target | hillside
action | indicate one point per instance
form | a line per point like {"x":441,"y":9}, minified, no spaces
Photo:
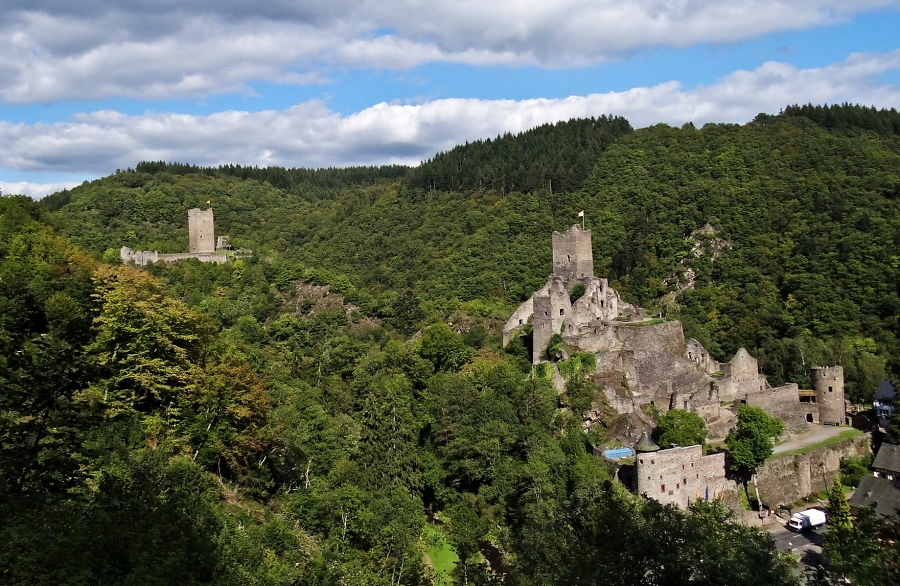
{"x":300,"y":416}
{"x":810,"y":214}
{"x":200,"y":424}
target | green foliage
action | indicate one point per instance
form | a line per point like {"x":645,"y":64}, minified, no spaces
{"x":682,"y":428}
{"x":846,"y":117}
{"x":553,"y":351}
{"x":839,"y":519}
{"x":194,"y":423}
{"x":553,"y":157}
{"x":577,"y":292}
{"x":861,"y":551}
{"x":577,"y":363}
{"x":445,"y":348}
{"x":650,"y":410}
{"x":581,"y":393}
{"x":441,"y":553}
{"x":853,"y":468}
{"x":797,"y":266}
{"x":663,"y":545}
{"x":893,"y":429}
{"x":804,"y":209}
{"x":750,"y":441}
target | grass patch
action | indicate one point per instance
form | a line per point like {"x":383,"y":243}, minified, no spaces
{"x":578,"y":363}
{"x":443,"y":556}
{"x":745,"y":498}
{"x":647,"y":322}
{"x":833,"y":440}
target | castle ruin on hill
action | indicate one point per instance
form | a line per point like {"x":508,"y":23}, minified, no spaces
{"x":202,"y":244}
{"x":644,"y":361}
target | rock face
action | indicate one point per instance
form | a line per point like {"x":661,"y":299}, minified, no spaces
{"x":645,"y":362}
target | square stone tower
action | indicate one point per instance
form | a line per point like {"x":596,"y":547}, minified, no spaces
{"x":201,"y":230}
{"x":572,"y":254}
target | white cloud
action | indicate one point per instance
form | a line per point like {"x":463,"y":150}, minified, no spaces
{"x":34,"y":190}
{"x":62,"y":50}
{"x":311,"y":135}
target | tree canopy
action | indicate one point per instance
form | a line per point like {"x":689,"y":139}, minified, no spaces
{"x":750,"y":440}
{"x":298,"y":417}
{"x":681,"y":428}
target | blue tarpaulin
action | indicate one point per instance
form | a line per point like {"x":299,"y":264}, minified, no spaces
{"x":618,"y":453}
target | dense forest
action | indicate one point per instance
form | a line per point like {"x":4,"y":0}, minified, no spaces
{"x":337,"y":407}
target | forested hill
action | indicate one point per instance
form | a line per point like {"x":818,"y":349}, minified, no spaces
{"x":337,"y":409}
{"x":552,"y":156}
{"x":317,"y":183}
{"x":847,"y":118}
{"x":810,"y":215}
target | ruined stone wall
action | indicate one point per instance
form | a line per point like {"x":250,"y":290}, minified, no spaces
{"x":655,"y":356}
{"x":599,"y":341}
{"x":551,"y":314}
{"x":708,"y":409}
{"x":786,"y":479}
{"x":662,"y":338}
{"x":201,"y":230}
{"x":619,"y":403}
{"x":598,"y":306}
{"x":810,"y":412}
{"x":142,"y":257}
{"x":741,"y":376}
{"x":560,"y":305}
{"x":680,"y":475}
{"x":829,"y":385}
{"x":719,"y":428}
{"x":573,"y":257}
{"x":782,"y":402}
{"x":518,"y":319}
{"x":696,"y":352}
{"x":542,"y":325}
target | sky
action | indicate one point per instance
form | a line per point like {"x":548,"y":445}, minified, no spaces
{"x":93,"y":86}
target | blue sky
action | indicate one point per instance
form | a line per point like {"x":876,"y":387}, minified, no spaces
{"x":89,"y":87}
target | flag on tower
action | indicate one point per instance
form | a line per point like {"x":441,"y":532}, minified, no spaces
{"x":581,"y":214}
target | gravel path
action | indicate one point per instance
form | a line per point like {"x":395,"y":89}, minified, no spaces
{"x":814,"y":434}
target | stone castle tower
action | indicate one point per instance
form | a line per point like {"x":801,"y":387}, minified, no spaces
{"x":201,"y":230}
{"x":573,"y":257}
{"x":828,"y":382}
{"x":551,"y":311}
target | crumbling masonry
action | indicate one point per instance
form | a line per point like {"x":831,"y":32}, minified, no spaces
{"x":203,"y":245}
{"x":643,"y":361}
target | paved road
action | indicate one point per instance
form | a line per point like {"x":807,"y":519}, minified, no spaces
{"x":814,"y":434}
{"x":808,"y":545}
